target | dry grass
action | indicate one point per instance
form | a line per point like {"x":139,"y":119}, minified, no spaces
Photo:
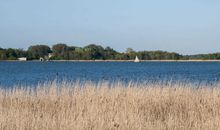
{"x":110,"y":108}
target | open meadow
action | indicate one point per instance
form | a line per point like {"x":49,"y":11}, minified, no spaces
{"x":74,"y":106}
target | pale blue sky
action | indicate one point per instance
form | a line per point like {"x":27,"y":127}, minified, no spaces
{"x":184,"y":26}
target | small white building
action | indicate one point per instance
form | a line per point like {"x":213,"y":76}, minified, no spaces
{"x":41,"y":59}
{"x":50,"y":55}
{"x":22,"y":59}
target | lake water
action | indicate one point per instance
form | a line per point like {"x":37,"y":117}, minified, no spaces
{"x":32,"y":73}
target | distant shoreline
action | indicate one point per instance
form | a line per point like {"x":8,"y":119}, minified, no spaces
{"x":93,"y":51}
{"x":133,"y":60}
{"x":113,"y":61}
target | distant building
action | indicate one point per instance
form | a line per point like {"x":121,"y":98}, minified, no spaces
{"x":41,"y":59}
{"x":22,"y":59}
{"x":50,"y":55}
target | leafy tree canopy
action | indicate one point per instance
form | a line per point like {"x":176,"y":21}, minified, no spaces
{"x":62,"y":51}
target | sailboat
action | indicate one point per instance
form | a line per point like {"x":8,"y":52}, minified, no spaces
{"x":136,"y":59}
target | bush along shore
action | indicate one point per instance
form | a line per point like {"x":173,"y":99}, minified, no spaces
{"x":94,"y":52}
{"x":104,"y":106}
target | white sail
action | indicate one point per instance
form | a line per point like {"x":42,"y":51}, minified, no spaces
{"x":136,"y":59}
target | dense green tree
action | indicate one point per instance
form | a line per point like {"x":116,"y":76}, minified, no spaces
{"x":59,"y":48}
{"x":11,"y":54}
{"x":3,"y":55}
{"x":60,"y":51}
{"x":109,"y":53}
{"x":72,"y":48}
{"x":212,"y":56}
{"x":93,"y":52}
{"x":20,"y":53}
{"x":37,"y":51}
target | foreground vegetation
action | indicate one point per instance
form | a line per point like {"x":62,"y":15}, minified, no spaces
{"x":95,"y":52}
{"x":104,"y":107}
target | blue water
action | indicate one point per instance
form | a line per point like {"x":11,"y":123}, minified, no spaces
{"x":32,"y":73}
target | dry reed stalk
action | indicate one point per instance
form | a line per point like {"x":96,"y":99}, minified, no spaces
{"x":101,"y":107}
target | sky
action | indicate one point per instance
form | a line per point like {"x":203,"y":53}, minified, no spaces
{"x":183,"y":26}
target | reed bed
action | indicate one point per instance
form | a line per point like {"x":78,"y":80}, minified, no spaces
{"x":88,"y":106}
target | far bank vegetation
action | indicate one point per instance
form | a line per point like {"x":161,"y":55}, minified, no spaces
{"x":95,"y":52}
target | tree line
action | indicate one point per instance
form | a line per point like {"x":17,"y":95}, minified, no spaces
{"x":95,"y":52}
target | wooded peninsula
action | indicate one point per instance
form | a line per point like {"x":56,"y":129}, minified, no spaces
{"x":95,"y":52}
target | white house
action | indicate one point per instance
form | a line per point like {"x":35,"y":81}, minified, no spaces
{"x":50,"y":55}
{"x":41,"y":59}
{"x":22,"y":59}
